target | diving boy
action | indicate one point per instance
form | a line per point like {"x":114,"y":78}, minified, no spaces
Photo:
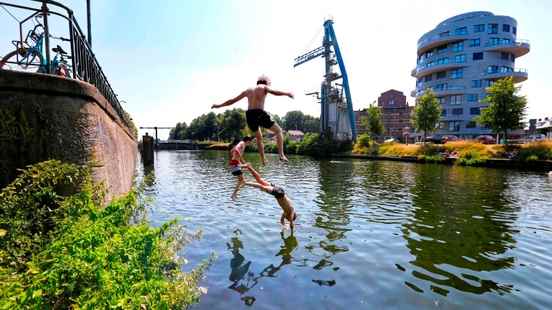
{"x":256,"y":115}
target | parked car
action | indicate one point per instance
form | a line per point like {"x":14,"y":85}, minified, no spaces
{"x":537,"y":137}
{"x":486,"y":139}
{"x":448,"y":138}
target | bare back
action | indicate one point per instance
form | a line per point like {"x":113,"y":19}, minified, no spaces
{"x":256,"y":97}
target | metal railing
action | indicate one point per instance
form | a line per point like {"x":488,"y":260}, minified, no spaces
{"x":84,"y":65}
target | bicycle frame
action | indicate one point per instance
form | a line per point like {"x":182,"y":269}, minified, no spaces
{"x":31,"y":51}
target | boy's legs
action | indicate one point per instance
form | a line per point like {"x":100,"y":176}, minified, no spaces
{"x":257,"y":176}
{"x":279,"y":140}
{"x":260,"y":145}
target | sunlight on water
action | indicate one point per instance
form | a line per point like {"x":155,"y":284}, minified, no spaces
{"x":369,"y":234}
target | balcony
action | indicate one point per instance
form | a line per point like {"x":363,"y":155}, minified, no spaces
{"x":449,"y":90}
{"x":433,"y":41}
{"x":421,"y":71}
{"x":518,"y":75}
{"x":518,"y":48}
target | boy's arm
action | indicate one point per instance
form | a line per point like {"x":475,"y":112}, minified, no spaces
{"x":279,"y":93}
{"x":231,"y":101}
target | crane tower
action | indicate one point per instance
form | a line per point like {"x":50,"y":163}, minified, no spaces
{"x":336,"y":113}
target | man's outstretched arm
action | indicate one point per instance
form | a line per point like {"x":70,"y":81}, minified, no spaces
{"x":279,"y":93}
{"x":231,"y":101}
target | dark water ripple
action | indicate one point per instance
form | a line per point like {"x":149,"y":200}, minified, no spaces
{"x":369,"y":235}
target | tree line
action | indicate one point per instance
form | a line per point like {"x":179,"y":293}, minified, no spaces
{"x":232,"y":125}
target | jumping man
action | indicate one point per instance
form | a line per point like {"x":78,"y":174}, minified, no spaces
{"x":256,"y":115}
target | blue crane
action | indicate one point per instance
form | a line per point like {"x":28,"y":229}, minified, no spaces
{"x":336,"y":115}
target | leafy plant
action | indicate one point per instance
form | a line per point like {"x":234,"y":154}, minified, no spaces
{"x":426,"y":113}
{"x":82,"y":255}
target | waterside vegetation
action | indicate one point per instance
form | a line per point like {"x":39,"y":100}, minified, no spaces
{"x":60,"y":248}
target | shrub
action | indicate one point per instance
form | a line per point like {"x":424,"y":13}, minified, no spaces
{"x":471,"y":157}
{"x":541,"y":149}
{"x":364,"y":145}
{"x":82,"y":255}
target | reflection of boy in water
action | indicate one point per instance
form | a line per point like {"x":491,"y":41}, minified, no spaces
{"x":278,"y":193}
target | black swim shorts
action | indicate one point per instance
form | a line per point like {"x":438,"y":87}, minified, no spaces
{"x":256,"y":118}
{"x":236,"y":170}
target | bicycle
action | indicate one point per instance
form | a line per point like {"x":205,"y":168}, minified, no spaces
{"x":29,"y":53}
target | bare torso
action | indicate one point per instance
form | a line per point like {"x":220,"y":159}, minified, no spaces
{"x":256,"y":97}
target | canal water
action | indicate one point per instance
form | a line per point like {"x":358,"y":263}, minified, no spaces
{"x":370,"y":234}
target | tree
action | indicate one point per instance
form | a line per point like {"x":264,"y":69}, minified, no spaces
{"x":178,"y":132}
{"x":294,"y":120}
{"x":231,"y":124}
{"x":505,"y":110}
{"x":426,"y":113}
{"x":297,"y":120}
{"x":373,"y":121}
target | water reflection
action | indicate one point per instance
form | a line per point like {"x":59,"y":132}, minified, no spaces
{"x":462,"y":225}
{"x":242,"y":278}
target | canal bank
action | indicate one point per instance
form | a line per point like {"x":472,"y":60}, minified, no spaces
{"x":534,"y":165}
{"x":46,"y":117}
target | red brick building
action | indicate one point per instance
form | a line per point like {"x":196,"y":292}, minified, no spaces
{"x":395,"y":112}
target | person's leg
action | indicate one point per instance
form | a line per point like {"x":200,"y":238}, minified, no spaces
{"x":257,"y":176}
{"x":241,"y":182}
{"x":279,"y":140}
{"x":260,"y":145}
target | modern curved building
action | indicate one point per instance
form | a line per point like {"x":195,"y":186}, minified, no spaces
{"x":460,"y":58}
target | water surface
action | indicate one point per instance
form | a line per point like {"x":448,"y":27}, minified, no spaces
{"x":370,"y":234}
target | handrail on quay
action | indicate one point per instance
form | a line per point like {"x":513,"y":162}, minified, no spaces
{"x":84,"y":65}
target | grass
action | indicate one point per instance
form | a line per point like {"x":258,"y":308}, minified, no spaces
{"x":468,"y":152}
{"x":541,"y":150}
{"x":60,"y":248}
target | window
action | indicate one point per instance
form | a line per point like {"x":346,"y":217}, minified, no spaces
{"x":475,"y":42}
{"x":492,"y":69}
{"x":440,"y":87}
{"x":505,"y":69}
{"x":505,"y":41}
{"x":475,"y":111}
{"x":457,"y":111}
{"x":477,"y":56}
{"x":494,"y":41}
{"x":506,"y":28}
{"x":457,"y":47}
{"x":428,"y":78}
{"x":444,"y":112}
{"x":470,"y":124}
{"x":444,"y":34}
{"x":472,"y":97}
{"x":456,"y":73}
{"x":505,"y":56}
{"x":454,"y":125}
{"x":442,"y":61}
{"x":493,"y":28}
{"x":514,"y":30}
{"x":479,"y":28}
{"x":461,"y":31}
{"x":440,"y":49}
{"x":460,"y":59}
{"x":442,"y":100}
{"x":455,"y":100}
{"x":441,"y":75}
{"x":477,"y":83}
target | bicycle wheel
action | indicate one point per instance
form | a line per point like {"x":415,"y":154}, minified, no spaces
{"x":15,"y":61}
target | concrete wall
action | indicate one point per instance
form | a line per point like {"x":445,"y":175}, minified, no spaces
{"x":47,"y":117}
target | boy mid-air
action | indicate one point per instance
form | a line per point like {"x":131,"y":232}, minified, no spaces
{"x":256,"y":115}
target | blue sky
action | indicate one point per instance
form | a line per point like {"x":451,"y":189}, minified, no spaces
{"x":171,"y":60}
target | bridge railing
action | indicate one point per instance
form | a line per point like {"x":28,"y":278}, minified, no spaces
{"x":84,"y":65}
